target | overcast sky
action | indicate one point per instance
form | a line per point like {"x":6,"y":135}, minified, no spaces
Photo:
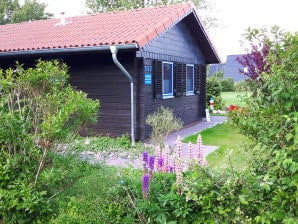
{"x":235,"y":16}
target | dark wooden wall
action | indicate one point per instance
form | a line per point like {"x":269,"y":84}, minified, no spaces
{"x":98,"y":76}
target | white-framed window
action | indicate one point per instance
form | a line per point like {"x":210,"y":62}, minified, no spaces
{"x":167,"y":80}
{"x":189,"y":79}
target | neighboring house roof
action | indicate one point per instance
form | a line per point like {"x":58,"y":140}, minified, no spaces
{"x":215,"y":69}
{"x":138,"y":27}
{"x":231,"y":69}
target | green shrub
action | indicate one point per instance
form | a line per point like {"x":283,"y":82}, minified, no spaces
{"x":38,"y":112}
{"x":271,"y":122}
{"x":228,"y":85}
{"x":245,"y":86}
{"x":206,"y":197}
{"x":163,"y":122}
{"x":214,"y":89}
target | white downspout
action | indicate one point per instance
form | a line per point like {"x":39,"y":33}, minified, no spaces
{"x":114,"y":51}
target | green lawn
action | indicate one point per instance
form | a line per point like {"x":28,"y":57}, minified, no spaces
{"x":229,"y":141}
{"x":233,"y":98}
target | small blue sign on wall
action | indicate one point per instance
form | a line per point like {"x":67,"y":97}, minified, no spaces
{"x":148,"y":79}
{"x":148,"y":74}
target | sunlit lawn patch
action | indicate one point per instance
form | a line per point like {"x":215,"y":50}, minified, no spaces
{"x":228,"y":139}
{"x":233,"y":98}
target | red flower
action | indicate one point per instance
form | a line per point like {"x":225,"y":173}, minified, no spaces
{"x":233,"y":107}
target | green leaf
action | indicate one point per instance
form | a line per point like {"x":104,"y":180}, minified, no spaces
{"x":242,"y":199}
{"x":289,"y":136}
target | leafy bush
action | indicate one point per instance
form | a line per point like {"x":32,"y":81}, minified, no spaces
{"x":38,"y":112}
{"x":214,"y":90}
{"x":205,"y":197}
{"x":228,"y":85}
{"x":271,"y":121}
{"x":163,"y":122}
{"x":245,"y":86}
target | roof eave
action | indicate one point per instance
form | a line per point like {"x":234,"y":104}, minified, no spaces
{"x":101,"y":48}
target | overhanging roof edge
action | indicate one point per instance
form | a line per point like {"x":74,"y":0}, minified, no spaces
{"x":69,"y":50}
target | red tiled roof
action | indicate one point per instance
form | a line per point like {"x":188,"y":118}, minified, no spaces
{"x":124,"y":27}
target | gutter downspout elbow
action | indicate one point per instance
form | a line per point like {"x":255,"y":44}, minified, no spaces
{"x":114,"y":51}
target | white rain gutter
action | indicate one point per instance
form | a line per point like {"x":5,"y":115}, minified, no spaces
{"x":69,"y":50}
{"x":114,"y":51}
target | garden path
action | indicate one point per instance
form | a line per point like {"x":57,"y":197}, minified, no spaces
{"x":115,"y":160}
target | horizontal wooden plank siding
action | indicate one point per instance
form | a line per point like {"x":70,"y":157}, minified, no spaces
{"x":99,"y":77}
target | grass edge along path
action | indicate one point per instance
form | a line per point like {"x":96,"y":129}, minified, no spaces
{"x":229,"y":142}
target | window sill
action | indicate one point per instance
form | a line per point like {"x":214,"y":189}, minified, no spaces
{"x":167,"y":97}
{"x":190,"y":94}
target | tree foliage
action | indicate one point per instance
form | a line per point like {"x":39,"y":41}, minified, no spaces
{"x":96,"y":6}
{"x":11,"y":11}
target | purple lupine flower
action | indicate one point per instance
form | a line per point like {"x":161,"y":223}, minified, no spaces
{"x":174,"y":165}
{"x":151,"y":162}
{"x":145,"y":185}
{"x":145,"y":157}
{"x":171,"y":169}
{"x":160,"y":163}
